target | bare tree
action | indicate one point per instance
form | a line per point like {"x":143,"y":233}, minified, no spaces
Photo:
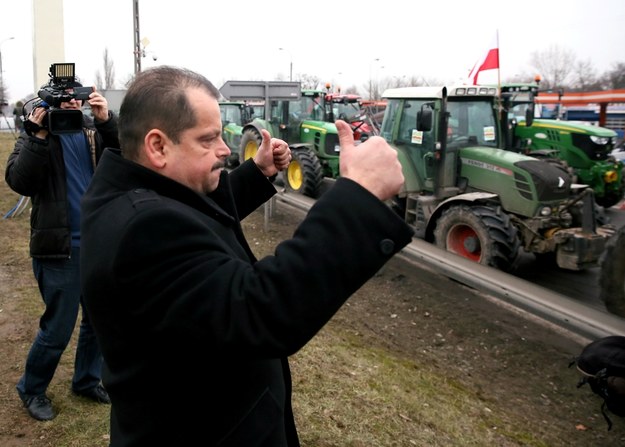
{"x":615,"y":78}
{"x":555,"y":66}
{"x":99,"y":83}
{"x":308,"y":81}
{"x":351,"y":90}
{"x":109,"y":73}
{"x":585,"y":77}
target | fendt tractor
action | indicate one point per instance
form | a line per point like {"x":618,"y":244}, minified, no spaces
{"x":472,"y":198}
{"x":234,"y":115}
{"x":583,"y":148}
{"x":308,"y":126}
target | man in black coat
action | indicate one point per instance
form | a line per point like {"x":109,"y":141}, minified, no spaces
{"x":195,"y":331}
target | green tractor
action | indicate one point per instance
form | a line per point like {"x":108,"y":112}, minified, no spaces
{"x":234,"y":115}
{"x":583,"y":148}
{"x":313,"y":140}
{"x":472,"y":198}
{"x":307,"y":124}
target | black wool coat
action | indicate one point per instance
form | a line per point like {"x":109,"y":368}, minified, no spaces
{"x":195,"y":331}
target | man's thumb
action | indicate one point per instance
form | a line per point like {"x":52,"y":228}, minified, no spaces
{"x":266,"y":136}
{"x":346,"y":136}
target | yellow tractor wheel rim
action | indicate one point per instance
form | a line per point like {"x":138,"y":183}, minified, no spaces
{"x":250,"y":150}
{"x":294,"y":175}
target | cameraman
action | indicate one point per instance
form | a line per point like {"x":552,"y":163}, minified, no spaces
{"x":55,"y":170}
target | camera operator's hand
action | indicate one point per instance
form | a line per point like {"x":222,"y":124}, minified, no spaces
{"x":372,"y":164}
{"x":37,"y":116}
{"x":99,"y":106}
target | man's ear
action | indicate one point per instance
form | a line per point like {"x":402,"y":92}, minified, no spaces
{"x":154,"y":148}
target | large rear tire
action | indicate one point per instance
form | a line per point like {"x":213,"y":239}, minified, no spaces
{"x":250,"y":142}
{"x":479,"y":233}
{"x":304,"y":174}
{"x":612,"y":275}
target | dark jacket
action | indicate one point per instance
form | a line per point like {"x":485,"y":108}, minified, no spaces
{"x":194,"y":330}
{"x":36,"y":169}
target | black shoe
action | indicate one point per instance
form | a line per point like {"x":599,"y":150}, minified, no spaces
{"x":96,"y":394}
{"x":40,"y":408}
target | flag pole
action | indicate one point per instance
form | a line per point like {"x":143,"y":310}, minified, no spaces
{"x":499,"y":75}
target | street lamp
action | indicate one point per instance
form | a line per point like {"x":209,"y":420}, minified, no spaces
{"x":290,"y":63}
{"x":1,"y":73}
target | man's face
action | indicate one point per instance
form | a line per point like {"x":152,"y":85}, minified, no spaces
{"x":73,"y":104}
{"x":198,"y":159}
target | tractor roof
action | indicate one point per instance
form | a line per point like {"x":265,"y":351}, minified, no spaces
{"x":334,"y":97}
{"x":439,"y":92}
{"x":414,"y":92}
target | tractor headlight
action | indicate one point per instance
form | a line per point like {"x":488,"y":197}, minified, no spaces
{"x":545,"y":211}
{"x":610,"y":176}
{"x":600,"y":140}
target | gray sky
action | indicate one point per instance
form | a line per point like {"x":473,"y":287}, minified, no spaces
{"x":337,"y":41}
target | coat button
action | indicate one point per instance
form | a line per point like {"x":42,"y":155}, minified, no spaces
{"x":387,"y":246}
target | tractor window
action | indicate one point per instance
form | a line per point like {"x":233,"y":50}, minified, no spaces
{"x":346,"y":110}
{"x":390,"y":113}
{"x":472,"y":123}
{"x":518,"y":112}
{"x":277,"y":111}
{"x":230,"y":114}
{"x":257,"y":111}
{"x":299,"y":110}
{"x":408,"y":132}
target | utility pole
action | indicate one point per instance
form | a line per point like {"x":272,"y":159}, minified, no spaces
{"x":138,"y":53}
{"x":290,"y":63}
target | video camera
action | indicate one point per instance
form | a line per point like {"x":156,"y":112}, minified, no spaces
{"x":53,"y":94}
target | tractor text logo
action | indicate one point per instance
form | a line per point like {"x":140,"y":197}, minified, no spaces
{"x":487,"y":166}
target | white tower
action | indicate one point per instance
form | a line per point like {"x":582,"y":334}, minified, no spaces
{"x":48,"y":38}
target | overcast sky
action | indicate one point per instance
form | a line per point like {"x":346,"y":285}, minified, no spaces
{"x":337,"y":41}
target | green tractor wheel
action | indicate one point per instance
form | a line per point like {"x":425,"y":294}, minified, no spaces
{"x":481,"y":234}
{"x":250,"y":142}
{"x":304,"y":174}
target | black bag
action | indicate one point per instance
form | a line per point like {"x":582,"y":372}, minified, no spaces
{"x":602,"y":364}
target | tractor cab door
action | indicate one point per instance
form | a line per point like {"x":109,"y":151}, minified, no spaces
{"x":417,"y":143}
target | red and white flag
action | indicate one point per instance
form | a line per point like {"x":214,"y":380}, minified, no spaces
{"x":489,"y":61}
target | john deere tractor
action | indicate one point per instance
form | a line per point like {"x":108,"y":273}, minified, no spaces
{"x":308,"y":126}
{"x":472,"y":198}
{"x":583,"y":148}
{"x":234,"y":115}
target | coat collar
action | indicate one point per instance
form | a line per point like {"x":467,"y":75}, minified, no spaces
{"x":125,"y":175}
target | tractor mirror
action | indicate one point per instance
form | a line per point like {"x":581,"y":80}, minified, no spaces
{"x":529,"y":115}
{"x":424,"y":118}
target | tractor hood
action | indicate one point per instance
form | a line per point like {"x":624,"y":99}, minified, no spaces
{"x":499,"y":158}
{"x":522,"y":182}
{"x":319,"y":126}
{"x":571,"y":127}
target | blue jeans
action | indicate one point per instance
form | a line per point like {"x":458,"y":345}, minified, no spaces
{"x":59,"y":284}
